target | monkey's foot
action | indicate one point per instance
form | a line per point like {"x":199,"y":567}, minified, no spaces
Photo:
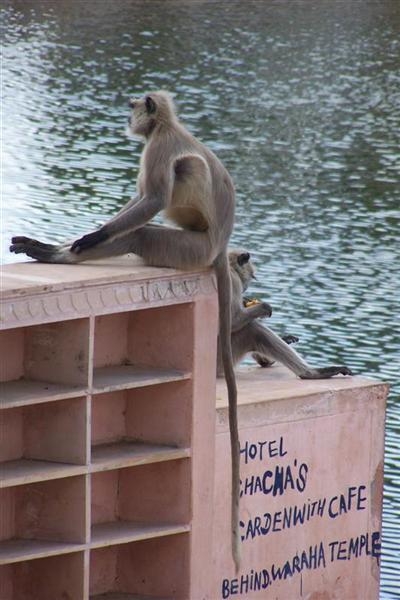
{"x":89,"y":240}
{"x":33,"y":248}
{"x":290,"y":339}
{"x":326,"y":372}
{"x":262,"y":360}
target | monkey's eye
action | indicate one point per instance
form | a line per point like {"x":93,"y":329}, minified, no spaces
{"x":243,"y":258}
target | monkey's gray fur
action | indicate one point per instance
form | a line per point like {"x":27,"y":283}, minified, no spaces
{"x":182,"y":177}
{"x":251,"y":336}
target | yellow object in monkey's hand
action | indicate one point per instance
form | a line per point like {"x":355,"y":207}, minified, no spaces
{"x":248,"y":302}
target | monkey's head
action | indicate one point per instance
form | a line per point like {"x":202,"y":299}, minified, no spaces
{"x":240,"y":262}
{"x":155,"y":108}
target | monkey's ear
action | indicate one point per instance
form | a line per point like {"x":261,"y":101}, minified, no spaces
{"x":150,"y":105}
{"x":243,"y":258}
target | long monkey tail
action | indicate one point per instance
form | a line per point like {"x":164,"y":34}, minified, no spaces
{"x":225,"y":319}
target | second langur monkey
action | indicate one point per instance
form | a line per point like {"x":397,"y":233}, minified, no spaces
{"x":181,"y":176}
{"x":249,"y":335}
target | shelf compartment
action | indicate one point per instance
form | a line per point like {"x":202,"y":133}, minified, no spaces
{"x":127,"y":453}
{"x":33,"y":515}
{"x":130,"y":415}
{"x":159,"y":338}
{"x":152,"y":569}
{"x":122,"y":532}
{"x":39,"y":442}
{"x":121,"y":377}
{"x":52,"y":353}
{"x":56,"y":577}
{"x":148,"y":494}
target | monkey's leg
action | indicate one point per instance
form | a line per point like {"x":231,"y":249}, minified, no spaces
{"x":159,"y":246}
{"x":264,"y":361}
{"x":257,"y":338}
{"x":162,"y":246}
{"x":267,"y":342}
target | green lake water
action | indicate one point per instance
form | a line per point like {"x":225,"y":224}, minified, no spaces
{"x":301,"y":101}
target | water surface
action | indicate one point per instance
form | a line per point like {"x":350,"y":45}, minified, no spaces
{"x":299,"y":99}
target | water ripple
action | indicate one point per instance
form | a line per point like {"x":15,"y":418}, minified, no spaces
{"x":303,"y":106}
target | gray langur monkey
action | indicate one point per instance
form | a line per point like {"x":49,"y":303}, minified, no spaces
{"x":181,"y":176}
{"x":249,"y":335}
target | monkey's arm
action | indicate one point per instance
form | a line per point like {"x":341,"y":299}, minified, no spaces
{"x":243,"y":316}
{"x":157,"y":191}
{"x":126,"y":206}
{"x":133,"y":217}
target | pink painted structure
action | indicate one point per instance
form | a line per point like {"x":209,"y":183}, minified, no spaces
{"x":115,"y":458}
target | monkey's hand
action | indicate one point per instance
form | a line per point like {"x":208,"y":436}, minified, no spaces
{"x":89,"y":240}
{"x":290,"y":339}
{"x":261,"y":310}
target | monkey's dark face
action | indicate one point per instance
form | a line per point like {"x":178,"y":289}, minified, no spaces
{"x":140,"y":117}
{"x":240,"y":262}
{"x":153,"y":108}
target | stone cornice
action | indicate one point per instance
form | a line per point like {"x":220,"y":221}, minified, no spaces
{"x":99,"y":299}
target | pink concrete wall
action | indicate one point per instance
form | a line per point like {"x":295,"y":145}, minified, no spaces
{"x":311,"y":474}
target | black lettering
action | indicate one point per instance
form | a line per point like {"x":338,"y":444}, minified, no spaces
{"x":287,"y":517}
{"x":259,"y":485}
{"x":225,"y":588}
{"x":244,"y":584}
{"x":361,"y":499}
{"x":341,"y":553}
{"x":267,"y":524}
{"x":277,"y":521}
{"x":289,"y":478}
{"x":234,"y":587}
{"x":321,"y":507}
{"x":342,"y":504}
{"x":302,"y":478}
{"x":313,"y":557}
{"x":245,"y":452}
{"x":261,"y":444}
{"x":266,"y":579}
{"x":298,"y":515}
{"x":266,"y":489}
{"x":278,"y":484}
{"x":296,"y":564}
{"x":353,"y":548}
{"x":252,"y":451}
{"x":272,"y":450}
{"x":332,"y":547}
{"x":282,"y":452}
{"x":257,"y":525}
{"x":376,"y":545}
{"x":332,"y":514}
{"x":321,"y":555}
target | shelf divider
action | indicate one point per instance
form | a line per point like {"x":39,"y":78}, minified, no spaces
{"x":122,"y":532}
{"x":22,"y":392}
{"x":19,"y":549}
{"x":128,"y":453}
{"x":123,"y":377}
{"x":24,"y":470}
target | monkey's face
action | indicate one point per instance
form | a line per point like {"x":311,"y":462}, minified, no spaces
{"x":153,"y":108}
{"x":240,"y":261}
{"x":141,"y":116}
